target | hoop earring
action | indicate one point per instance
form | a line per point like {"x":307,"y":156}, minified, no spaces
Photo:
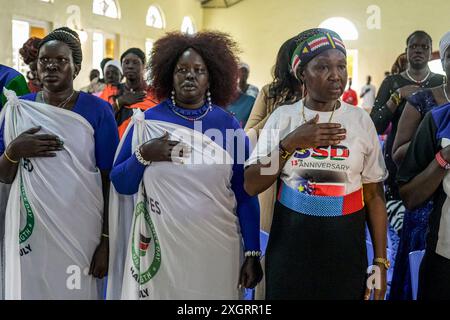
{"x":208,"y":98}
{"x":172,"y":97}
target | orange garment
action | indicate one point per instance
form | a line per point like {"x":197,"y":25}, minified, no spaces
{"x":149,"y":102}
{"x":108,"y":93}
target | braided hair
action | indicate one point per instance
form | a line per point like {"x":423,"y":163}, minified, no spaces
{"x":69,"y":37}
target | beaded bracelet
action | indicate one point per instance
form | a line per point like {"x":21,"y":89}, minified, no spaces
{"x":441,"y":161}
{"x":141,"y":159}
{"x":252,"y":254}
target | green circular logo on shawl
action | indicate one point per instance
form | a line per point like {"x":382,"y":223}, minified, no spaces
{"x":145,"y":243}
{"x":27,"y":231}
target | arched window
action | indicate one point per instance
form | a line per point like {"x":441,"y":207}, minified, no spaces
{"x":155,"y":18}
{"x":347,"y":31}
{"x":344,"y":27}
{"x":107,"y":8}
{"x":187,"y":26}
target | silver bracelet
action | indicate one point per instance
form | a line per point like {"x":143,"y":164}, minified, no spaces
{"x":138,"y":154}
{"x":252,"y":254}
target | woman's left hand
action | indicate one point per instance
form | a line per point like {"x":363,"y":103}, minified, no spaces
{"x":251,"y":273}
{"x":378,"y":283}
{"x":99,"y":263}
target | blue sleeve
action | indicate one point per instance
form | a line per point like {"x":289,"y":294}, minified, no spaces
{"x":247,"y":206}
{"x":127,"y":171}
{"x":2,"y":140}
{"x":106,"y":140}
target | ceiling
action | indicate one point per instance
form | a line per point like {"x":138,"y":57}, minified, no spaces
{"x":219,"y":3}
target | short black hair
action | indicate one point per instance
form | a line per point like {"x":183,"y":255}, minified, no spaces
{"x":69,"y":37}
{"x":419,"y":33}
{"x":135,"y":51}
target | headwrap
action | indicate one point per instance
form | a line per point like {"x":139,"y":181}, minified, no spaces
{"x":244,"y":65}
{"x":114,"y":63}
{"x":444,"y":44}
{"x":311,"y":43}
{"x":136,"y":51}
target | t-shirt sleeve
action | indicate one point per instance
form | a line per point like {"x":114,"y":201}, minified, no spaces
{"x":268,"y":140}
{"x":421,"y":151}
{"x":106,"y":139}
{"x":374,"y":168}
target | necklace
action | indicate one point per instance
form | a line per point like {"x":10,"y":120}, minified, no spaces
{"x":63,"y":104}
{"x":418,"y":81}
{"x":445,"y":92}
{"x":332,"y":113}
{"x":173,"y":106}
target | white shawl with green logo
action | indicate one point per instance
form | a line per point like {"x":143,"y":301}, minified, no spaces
{"x":179,"y":238}
{"x":54,"y":213}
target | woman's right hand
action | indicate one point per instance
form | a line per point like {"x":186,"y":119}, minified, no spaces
{"x":312,"y":134}
{"x":131,"y":98}
{"x":32,"y":145}
{"x":407,"y":91}
{"x":161,"y":149}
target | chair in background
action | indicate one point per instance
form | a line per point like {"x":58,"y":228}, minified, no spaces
{"x":415,"y":258}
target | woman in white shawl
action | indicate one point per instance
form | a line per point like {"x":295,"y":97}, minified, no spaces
{"x":57,"y":148}
{"x":185,"y":240}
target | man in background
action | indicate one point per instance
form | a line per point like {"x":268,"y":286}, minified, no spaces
{"x":368,"y":93}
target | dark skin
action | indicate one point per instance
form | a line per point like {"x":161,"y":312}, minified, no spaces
{"x":410,"y":118}
{"x":112,"y":76}
{"x":418,"y":53}
{"x":56,"y":71}
{"x":325,"y":77}
{"x":133,"y":71}
{"x":191,"y":82}
{"x":243,"y":77}
{"x":414,"y":194}
{"x":94,"y":74}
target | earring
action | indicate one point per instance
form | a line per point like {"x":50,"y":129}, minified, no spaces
{"x":208,"y":97}
{"x":304,"y":92}
{"x":173,"y":98}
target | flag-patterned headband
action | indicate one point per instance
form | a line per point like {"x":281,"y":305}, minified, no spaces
{"x":314,"y":42}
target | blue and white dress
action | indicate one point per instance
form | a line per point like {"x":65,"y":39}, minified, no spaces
{"x":184,"y":240}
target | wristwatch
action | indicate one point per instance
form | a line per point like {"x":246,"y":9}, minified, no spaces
{"x":283,"y":152}
{"x":385,"y":262}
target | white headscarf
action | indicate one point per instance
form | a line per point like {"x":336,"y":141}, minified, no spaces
{"x":114,"y":63}
{"x":444,"y":44}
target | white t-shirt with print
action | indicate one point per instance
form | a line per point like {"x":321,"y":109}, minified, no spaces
{"x":325,"y":171}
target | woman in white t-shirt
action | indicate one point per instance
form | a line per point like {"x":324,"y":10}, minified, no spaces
{"x":326,"y":157}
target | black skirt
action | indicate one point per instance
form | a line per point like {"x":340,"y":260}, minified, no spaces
{"x":316,"y":258}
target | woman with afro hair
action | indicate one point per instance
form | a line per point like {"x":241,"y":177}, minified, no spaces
{"x":183,"y":161}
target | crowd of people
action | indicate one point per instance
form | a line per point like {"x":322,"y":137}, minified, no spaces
{"x":159,"y":187}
